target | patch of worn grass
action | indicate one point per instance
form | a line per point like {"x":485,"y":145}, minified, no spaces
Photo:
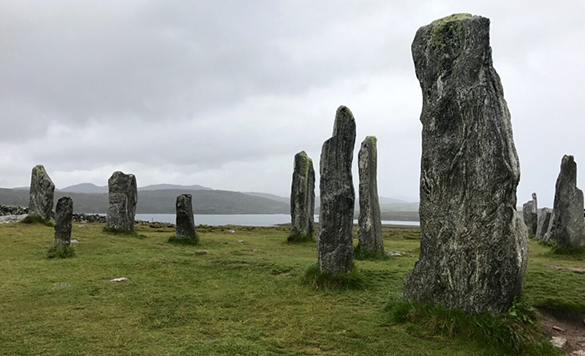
{"x":184,"y":240}
{"x":516,"y":332}
{"x":127,"y":233}
{"x":67,"y":251}
{"x":35,"y":219}
{"x":317,"y":279}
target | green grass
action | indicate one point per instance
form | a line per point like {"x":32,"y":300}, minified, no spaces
{"x":517,"y":332}
{"x":61,"y":252}
{"x":245,"y":296}
{"x":35,"y":219}
{"x":360,"y":254}
{"x":300,"y":238}
{"x":178,"y":240}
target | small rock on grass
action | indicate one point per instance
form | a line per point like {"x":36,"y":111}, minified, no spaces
{"x":60,"y":286}
{"x":556,"y":328}
{"x":203,"y":252}
{"x":119,"y":279}
{"x":559,"y":341}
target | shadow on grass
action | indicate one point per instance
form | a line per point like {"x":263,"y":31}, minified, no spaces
{"x":318,"y":280}
{"x":184,"y":240}
{"x":117,"y":232}
{"x":34,"y":219}
{"x":516,"y":332}
{"x":300,"y":238}
{"x":61,"y":252}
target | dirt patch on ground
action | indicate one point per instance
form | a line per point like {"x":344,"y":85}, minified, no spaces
{"x":568,"y":327}
{"x":573,"y":269}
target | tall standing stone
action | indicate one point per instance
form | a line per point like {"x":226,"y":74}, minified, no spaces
{"x":302,"y":198}
{"x":337,"y":196}
{"x":123,"y":196}
{"x":544,"y":223}
{"x":567,"y":228}
{"x":42,"y":190}
{"x":530,"y":214}
{"x":474,"y":245}
{"x":185,"y":227}
{"x":369,"y":222}
{"x":63,"y":217}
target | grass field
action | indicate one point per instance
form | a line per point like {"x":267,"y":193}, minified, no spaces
{"x":244,"y":297}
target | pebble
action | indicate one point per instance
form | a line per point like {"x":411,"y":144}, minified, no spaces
{"x":559,"y":341}
{"x":74,"y":241}
{"x":203,"y":252}
{"x":60,"y":286}
{"x":558,"y":329}
{"x":578,"y":353}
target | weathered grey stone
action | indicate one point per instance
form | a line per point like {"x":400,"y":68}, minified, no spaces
{"x":567,"y":228}
{"x":63,"y":218}
{"x":369,"y":221}
{"x":123,"y":196}
{"x":185,"y":218}
{"x":544,"y":223}
{"x":42,"y":191}
{"x":474,"y":245}
{"x":530,"y":214}
{"x":302,"y":198}
{"x":337,"y":196}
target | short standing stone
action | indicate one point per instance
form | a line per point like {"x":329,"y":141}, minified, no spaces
{"x":123,"y":196}
{"x":474,"y":246}
{"x":302,"y":198}
{"x":42,"y":192}
{"x":567,"y":228}
{"x":369,"y":222}
{"x":337,"y":196}
{"x":63,"y":217}
{"x":185,"y":218}
{"x":530,"y":214}
{"x":544,"y":223}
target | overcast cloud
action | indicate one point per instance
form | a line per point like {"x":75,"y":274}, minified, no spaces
{"x":224,"y":93}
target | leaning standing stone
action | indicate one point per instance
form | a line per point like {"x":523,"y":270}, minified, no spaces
{"x":544,"y":223}
{"x":42,"y":191}
{"x":337,"y":196}
{"x":369,"y":222}
{"x":123,"y":196}
{"x":474,"y":245}
{"x":63,"y":217}
{"x":568,"y":220}
{"x":185,"y":218}
{"x":302,"y":198}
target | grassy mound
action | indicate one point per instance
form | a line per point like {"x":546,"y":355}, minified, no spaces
{"x":61,"y":252}
{"x":35,"y":219}
{"x":360,"y":254}
{"x":327,"y":281}
{"x":517,"y":332}
{"x":180,"y":240}
{"x":299,"y":238}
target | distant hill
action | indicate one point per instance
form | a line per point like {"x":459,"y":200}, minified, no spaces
{"x":87,"y":188}
{"x":270,"y":196}
{"x":163,"y":202}
{"x":172,"y":187}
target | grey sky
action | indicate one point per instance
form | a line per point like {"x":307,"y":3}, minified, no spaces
{"x":224,"y":93}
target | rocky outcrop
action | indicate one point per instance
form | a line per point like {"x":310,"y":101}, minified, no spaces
{"x":544,"y":224}
{"x":123,"y":196}
{"x":302,"y":198}
{"x":12,"y":210}
{"x":369,"y":221}
{"x":567,"y":228}
{"x":337,"y":196}
{"x":474,"y":245}
{"x":185,"y":226}
{"x":63,"y":218}
{"x":42,"y":190}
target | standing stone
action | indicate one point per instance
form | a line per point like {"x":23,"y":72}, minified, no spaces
{"x":530,"y":214}
{"x":335,"y":244}
{"x":63,"y":217}
{"x":42,"y":191}
{"x":369,"y":222}
{"x":185,"y":218}
{"x":567,"y":228}
{"x":123,"y":196}
{"x":544,"y":223}
{"x":474,"y":246}
{"x":302,"y":198}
